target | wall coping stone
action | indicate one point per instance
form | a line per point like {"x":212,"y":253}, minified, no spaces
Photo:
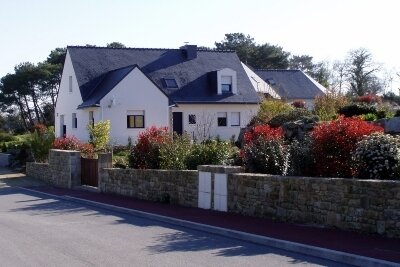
{"x":323,"y":179}
{"x":64,"y":151}
{"x":151,"y":170}
{"x":220,"y":169}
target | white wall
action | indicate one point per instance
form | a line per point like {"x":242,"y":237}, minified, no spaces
{"x":134,"y":92}
{"x":67,"y":103}
{"x":259,"y":84}
{"x":206,"y":114}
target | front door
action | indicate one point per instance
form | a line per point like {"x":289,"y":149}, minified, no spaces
{"x":177,"y":123}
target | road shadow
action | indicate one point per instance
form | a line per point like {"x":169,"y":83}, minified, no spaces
{"x":180,"y":240}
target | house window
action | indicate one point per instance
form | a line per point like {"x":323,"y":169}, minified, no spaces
{"x":235,"y":118}
{"x":70,"y":83}
{"x":170,"y":83}
{"x":221,"y":118}
{"x":74,"y":121}
{"x":192,"y":119}
{"x":135,"y":119}
{"x":91,"y":118}
{"x":226,"y":84}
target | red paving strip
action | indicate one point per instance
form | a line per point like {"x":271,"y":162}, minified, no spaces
{"x":366,"y":245}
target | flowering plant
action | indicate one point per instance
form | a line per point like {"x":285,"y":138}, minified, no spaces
{"x":378,"y":157}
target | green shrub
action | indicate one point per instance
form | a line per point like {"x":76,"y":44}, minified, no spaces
{"x":173,"y":154}
{"x":41,"y":142}
{"x":120,"y":161}
{"x":369,"y":117}
{"x":208,"y":152}
{"x":300,"y":157}
{"x":5,"y":146}
{"x":266,"y":156}
{"x":357,"y":109}
{"x":326,"y":107}
{"x":6,"y":137}
{"x":269,"y":108}
{"x":378,"y":157}
{"x":292,"y":115}
{"x":265,"y":151}
{"x":99,"y":135}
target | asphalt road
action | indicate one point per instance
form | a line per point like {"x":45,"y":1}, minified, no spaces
{"x":38,"y":230}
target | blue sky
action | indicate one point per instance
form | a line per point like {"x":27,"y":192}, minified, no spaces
{"x":324,"y":29}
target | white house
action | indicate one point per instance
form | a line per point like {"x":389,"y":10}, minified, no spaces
{"x":205,"y":93}
{"x":290,"y":85}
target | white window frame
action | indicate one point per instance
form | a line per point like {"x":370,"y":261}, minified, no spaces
{"x":231,"y":119}
{"x":135,"y":114}
{"x":226,"y":80}
{"x":222,"y":115}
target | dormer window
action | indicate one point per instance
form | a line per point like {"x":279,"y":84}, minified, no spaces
{"x":226,"y":84}
{"x":170,"y":83}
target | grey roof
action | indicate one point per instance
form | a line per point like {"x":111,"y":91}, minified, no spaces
{"x":99,"y":69}
{"x":292,"y":84}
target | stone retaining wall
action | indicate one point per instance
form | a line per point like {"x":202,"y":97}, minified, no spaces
{"x":362,"y":205}
{"x":63,"y":169}
{"x":40,"y":171}
{"x":176,"y":187}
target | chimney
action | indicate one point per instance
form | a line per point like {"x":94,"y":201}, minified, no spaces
{"x":189,"y":51}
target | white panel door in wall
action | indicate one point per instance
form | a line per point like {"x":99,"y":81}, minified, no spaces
{"x":220,"y":192}
{"x":204,"y":200}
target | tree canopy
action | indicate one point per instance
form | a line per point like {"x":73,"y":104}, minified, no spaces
{"x":361,"y":73}
{"x":257,"y":56}
{"x":32,"y":89}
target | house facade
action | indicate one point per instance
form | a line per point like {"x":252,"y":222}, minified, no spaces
{"x":203,"y":93}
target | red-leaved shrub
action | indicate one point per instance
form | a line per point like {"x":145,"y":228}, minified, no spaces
{"x":368,"y":99}
{"x":73,"y":143}
{"x":265,"y":150}
{"x":146,"y":153}
{"x":67,"y":143}
{"x":333,"y":144}
{"x":262,"y":131}
{"x":299,"y":104}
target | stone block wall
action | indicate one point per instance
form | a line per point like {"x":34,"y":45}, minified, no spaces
{"x":40,"y":171}
{"x":63,"y":169}
{"x":5,"y":159}
{"x":369,"y":206}
{"x":176,"y":187}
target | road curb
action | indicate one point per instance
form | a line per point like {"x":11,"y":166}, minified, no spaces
{"x":334,"y":255}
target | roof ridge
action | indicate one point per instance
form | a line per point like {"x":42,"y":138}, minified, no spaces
{"x":148,"y":48}
{"x":277,"y":70}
